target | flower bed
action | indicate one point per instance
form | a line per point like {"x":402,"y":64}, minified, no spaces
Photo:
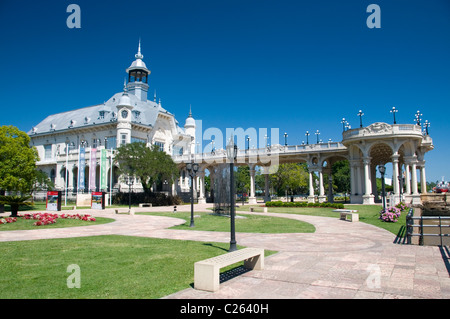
{"x":391,"y":214}
{"x":8,"y":220}
{"x":47,"y":218}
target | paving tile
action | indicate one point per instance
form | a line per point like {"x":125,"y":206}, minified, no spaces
{"x":339,"y":260}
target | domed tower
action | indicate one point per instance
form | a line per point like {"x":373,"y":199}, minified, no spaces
{"x":138,"y":76}
{"x":189,"y":128}
{"x":124,"y":108}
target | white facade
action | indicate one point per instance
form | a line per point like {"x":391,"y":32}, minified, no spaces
{"x":126,"y":117}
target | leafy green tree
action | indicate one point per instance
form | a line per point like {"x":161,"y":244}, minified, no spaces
{"x":150,"y":165}
{"x":17,"y":167}
{"x":291,"y":177}
{"x":341,"y":176}
{"x":17,"y":160}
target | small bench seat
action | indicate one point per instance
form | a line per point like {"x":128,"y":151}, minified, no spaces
{"x":207,"y":272}
{"x":354,"y":217}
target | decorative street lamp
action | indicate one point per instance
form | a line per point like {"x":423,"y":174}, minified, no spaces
{"x":348,"y":126}
{"x":382,"y":170}
{"x":417,"y":117}
{"x":360,"y":114}
{"x":192,"y":169}
{"x":343,"y":124}
{"x":248,"y":143}
{"x":285,"y":139}
{"x":393,"y":111}
{"x":400,"y":182}
{"x":129,"y":180}
{"x":427,"y":125}
{"x":307,"y":137}
{"x":231,"y":155}
{"x":317,"y":134}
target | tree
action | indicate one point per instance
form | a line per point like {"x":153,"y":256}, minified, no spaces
{"x":17,"y":167}
{"x":341,"y":176}
{"x":292,"y":177}
{"x":150,"y":165}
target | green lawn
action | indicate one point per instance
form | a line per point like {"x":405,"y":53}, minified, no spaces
{"x":367,"y":214}
{"x":110,"y":267}
{"x":247,"y":224}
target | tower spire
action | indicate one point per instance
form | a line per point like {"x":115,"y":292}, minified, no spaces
{"x":139,"y":54}
{"x":190,"y":110}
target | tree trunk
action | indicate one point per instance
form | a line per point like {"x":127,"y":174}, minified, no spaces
{"x":14,"y":210}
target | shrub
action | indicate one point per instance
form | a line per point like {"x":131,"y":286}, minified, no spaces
{"x":156,"y":199}
{"x":391,"y":214}
{"x":303,"y":204}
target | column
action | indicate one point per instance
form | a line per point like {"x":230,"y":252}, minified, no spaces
{"x":395,"y":174}
{"x":423,"y":181}
{"x":321,"y":190}
{"x":311,"y":188}
{"x":252,"y":198}
{"x":368,"y":198}
{"x":407,"y":180}
{"x":201,"y":187}
{"x":414,"y":178}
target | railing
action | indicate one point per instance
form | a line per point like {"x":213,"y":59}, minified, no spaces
{"x":383,"y":129}
{"x":219,"y":155}
{"x":410,"y":227}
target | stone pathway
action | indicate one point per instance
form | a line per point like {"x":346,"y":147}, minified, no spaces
{"x":340,"y":260}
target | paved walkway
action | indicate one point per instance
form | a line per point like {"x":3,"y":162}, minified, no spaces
{"x":340,"y":260}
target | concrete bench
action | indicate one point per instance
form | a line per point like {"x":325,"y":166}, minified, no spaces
{"x":124,"y":211}
{"x":145,"y":205}
{"x":354,"y":217}
{"x":207,"y":272}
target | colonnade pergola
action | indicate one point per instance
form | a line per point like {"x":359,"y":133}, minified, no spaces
{"x":403,"y":145}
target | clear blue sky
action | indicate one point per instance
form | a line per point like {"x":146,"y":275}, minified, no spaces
{"x":292,"y":65}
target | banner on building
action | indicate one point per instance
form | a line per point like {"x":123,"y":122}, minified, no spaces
{"x":81,"y":168}
{"x":92,"y":168}
{"x":103,"y":170}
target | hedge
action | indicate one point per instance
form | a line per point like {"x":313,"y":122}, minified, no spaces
{"x":156,"y":199}
{"x":303,"y":204}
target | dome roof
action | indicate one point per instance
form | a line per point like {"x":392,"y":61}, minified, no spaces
{"x":138,"y":63}
{"x":124,"y":99}
{"x":190,"y":122}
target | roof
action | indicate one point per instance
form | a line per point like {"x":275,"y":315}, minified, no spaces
{"x":143,"y":112}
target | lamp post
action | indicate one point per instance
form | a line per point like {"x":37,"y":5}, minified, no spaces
{"x":285,"y":139}
{"x":382,"y":170}
{"x":393,"y":111}
{"x":129,"y":181}
{"x":400,"y":183}
{"x":317,"y":134}
{"x":248,"y":143}
{"x":417,"y":117}
{"x":427,"y":125}
{"x":192,"y":169}
{"x":343,"y":124}
{"x":231,"y":155}
{"x":360,"y":114}
{"x":307,"y":137}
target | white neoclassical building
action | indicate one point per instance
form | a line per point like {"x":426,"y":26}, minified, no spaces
{"x":87,"y":137}
{"x":76,"y":149}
